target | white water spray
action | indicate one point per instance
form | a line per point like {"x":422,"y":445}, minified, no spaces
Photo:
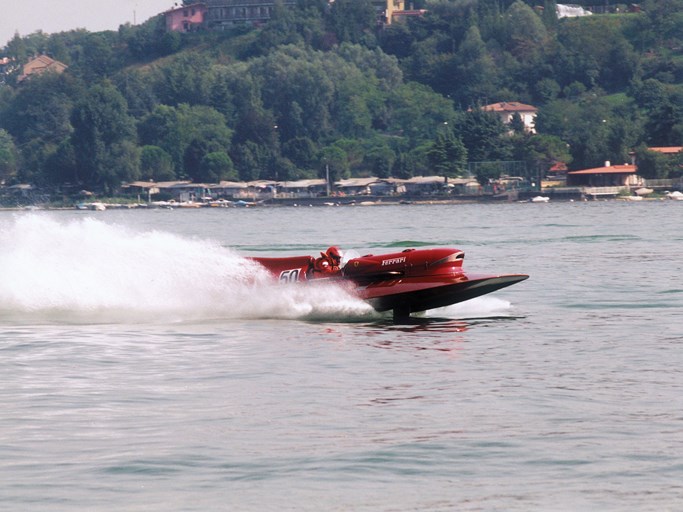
{"x":89,"y":270}
{"x":479,"y":307}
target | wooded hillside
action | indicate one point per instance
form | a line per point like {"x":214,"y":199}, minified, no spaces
{"x":325,"y":86}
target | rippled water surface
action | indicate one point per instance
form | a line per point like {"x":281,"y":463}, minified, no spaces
{"x":146,"y":365}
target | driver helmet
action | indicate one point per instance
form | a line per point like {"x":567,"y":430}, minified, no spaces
{"x":334,"y":255}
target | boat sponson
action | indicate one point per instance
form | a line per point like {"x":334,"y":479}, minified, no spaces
{"x":277,"y":265}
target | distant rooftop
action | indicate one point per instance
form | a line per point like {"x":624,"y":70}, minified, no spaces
{"x":509,"y":106}
{"x":608,"y":169}
{"x":667,"y":150}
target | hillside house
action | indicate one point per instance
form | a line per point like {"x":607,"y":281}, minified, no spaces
{"x":223,"y":14}
{"x":669,"y":150}
{"x":185,"y":19}
{"x":389,"y":11}
{"x":385,"y":10}
{"x":39,"y":65}
{"x":662,"y":150}
{"x":403,"y":15}
{"x":7,"y":65}
{"x":507,"y":109}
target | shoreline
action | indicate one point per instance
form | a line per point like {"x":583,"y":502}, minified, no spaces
{"x":364,"y":201}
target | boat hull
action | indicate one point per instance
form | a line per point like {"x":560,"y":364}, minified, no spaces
{"x":412,"y":295}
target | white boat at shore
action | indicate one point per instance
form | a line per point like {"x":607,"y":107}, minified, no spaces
{"x":97,"y":206}
{"x":676,"y":196}
{"x":540,"y":199}
{"x":644,"y":191}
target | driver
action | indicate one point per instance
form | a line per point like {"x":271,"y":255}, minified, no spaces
{"x":329,"y":261}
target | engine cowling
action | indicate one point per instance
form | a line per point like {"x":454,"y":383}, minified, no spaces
{"x":408,"y":263}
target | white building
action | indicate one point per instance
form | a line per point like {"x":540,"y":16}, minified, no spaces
{"x":507,"y":109}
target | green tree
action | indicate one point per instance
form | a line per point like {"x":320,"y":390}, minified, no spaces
{"x":333,"y":161}
{"x":550,"y":14}
{"x":487,"y":172}
{"x":484,"y":135}
{"x":145,"y":41}
{"x":418,"y":160}
{"x":104,"y":139}
{"x":38,"y":118}
{"x":379,"y":160}
{"x":250,"y":159}
{"x":124,"y":157}
{"x":34,"y":155}
{"x":416,"y":112}
{"x":526,"y":32}
{"x":215,"y":167}
{"x":654,"y":165}
{"x":663,"y":108}
{"x":42,"y":108}
{"x":196,"y":165}
{"x":8,"y":156}
{"x":594,"y":130}
{"x":475,"y":74}
{"x":187,"y":78}
{"x":16,"y":48}
{"x":546,"y":90}
{"x":448,"y":155}
{"x":98,"y":58}
{"x":517,"y":123}
{"x":138,"y":90}
{"x":352,"y":20}
{"x":664,"y":17}
{"x":301,"y":151}
{"x":594,"y":52}
{"x":156,"y":164}
{"x":174,"y":129}
{"x":60,"y":166}
{"x":300,"y":24}
{"x":297,"y":90}
{"x":355,"y":150}
{"x":397,"y":40}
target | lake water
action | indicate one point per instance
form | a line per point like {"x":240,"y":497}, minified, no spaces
{"x":145,"y":366}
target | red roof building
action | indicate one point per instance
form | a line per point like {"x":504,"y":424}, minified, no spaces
{"x":186,"y":18}
{"x":507,"y":109}
{"x":607,"y":176}
{"x":671,"y":150}
{"x":41,"y":64}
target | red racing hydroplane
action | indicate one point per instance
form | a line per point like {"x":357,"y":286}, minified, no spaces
{"x":405,"y":282}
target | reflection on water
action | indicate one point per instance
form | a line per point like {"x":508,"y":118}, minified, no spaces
{"x":428,"y":333}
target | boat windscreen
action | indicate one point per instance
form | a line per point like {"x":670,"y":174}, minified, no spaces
{"x":348,"y":255}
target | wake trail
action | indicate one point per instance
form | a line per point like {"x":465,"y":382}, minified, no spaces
{"x":87,"y":270}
